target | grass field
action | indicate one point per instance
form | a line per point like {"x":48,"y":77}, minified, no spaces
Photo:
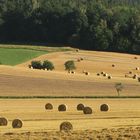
{"x":10,"y":56}
{"x":17,"y":54}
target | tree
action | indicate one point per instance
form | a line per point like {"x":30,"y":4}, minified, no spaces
{"x":119,"y":87}
{"x":36,"y":64}
{"x":48,"y":65}
{"x":69,"y":65}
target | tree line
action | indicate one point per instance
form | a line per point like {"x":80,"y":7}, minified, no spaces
{"x":105,"y":25}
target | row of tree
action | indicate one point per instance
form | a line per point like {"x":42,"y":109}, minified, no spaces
{"x":48,"y":65}
{"x":107,"y":25}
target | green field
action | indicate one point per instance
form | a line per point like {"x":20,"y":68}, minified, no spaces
{"x":14,"y":56}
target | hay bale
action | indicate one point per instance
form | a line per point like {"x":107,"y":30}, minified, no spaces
{"x":29,"y":66}
{"x":134,"y":76}
{"x":113,"y":65}
{"x":98,"y":74}
{"x":73,"y":72}
{"x":77,"y":50}
{"x":87,"y":73}
{"x":17,"y":123}
{"x":48,"y":106}
{"x":102,"y":72}
{"x":62,"y":107}
{"x":138,"y":79}
{"x":135,"y":57}
{"x":109,"y":77}
{"x":3,"y":122}
{"x":69,"y":72}
{"x":130,"y":72}
{"x":80,"y":107}
{"x":104,"y":107}
{"x":105,"y":74}
{"x":87,"y":110}
{"x":66,"y":126}
{"x":137,"y":68}
{"x":81,"y":59}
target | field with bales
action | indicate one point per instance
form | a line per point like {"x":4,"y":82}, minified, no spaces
{"x":121,"y":121}
{"x":25,"y":91}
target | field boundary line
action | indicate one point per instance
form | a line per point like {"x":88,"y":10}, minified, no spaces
{"x":69,"y":97}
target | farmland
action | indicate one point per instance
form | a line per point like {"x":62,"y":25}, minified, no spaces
{"x":9,"y":56}
{"x":40,"y":123}
{"x":122,"y":119}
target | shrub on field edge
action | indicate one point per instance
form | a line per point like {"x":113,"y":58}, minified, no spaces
{"x":36,"y":64}
{"x":48,"y":65}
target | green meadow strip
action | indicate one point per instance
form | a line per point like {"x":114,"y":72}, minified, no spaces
{"x":69,"y":97}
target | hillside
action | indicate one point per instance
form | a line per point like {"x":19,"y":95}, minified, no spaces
{"x":60,"y":83}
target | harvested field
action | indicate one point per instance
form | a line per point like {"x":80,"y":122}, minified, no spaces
{"x":40,"y":123}
{"x":26,"y":86}
{"x":15,"y":81}
{"x":122,"y":121}
{"x":125,"y":133}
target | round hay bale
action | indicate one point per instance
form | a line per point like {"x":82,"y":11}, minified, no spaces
{"x":134,"y":76}
{"x":109,"y":77}
{"x":102,"y":72}
{"x":48,"y":106}
{"x":29,"y":66}
{"x":17,"y":123}
{"x":113,"y":65}
{"x":105,"y":75}
{"x":87,"y":110}
{"x":62,"y":107}
{"x":130,"y":72}
{"x":73,"y":72}
{"x":137,"y":68}
{"x":81,"y":59}
{"x":77,"y":50}
{"x":135,"y":57}
{"x":80,"y":107}
{"x":98,"y":74}
{"x":3,"y":122}
{"x":69,"y":71}
{"x":66,"y":126}
{"x":104,"y":107}
{"x":87,"y":73}
{"x":138,"y":79}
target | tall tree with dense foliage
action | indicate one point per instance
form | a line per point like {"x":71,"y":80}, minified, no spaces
{"x":105,"y":25}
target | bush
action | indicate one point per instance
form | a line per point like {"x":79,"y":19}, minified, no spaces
{"x":48,"y":65}
{"x":70,"y":65}
{"x":36,"y":64}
